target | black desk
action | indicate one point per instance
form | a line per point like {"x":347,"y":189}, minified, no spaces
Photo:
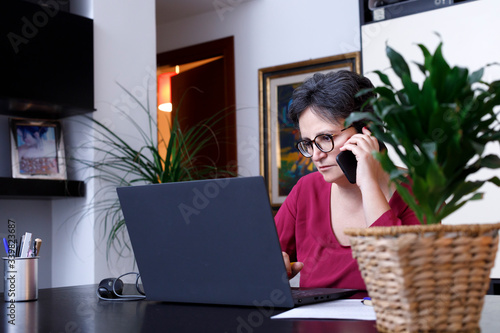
{"x":77,"y":309}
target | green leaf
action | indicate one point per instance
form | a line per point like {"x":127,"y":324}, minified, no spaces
{"x":476,"y":76}
{"x":363,"y":92}
{"x":427,"y":58}
{"x":494,"y":180}
{"x":490,"y":161}
{"x":398,"y":63}
{"x":454,"y":84}
{"x":410,"y":88}
{"x":422,"y":67}
{"x":410,"y":200}
{"x":464,"y":189}
{"x":395,"y":173}
{"x":476,"y":196}
{"x":384,"y":78}
{"x":385,"y":92}
{"x":438,"y":71}
{"x":427,"y":106}
{"x":359,"y":116}
{"x":449,"y":209}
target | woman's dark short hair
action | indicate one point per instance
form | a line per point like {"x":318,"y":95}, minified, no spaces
{"x":331,"y":96}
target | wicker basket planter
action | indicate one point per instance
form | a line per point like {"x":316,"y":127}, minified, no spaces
{"x":426,"y":278}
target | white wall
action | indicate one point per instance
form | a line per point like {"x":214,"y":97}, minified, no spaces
{"x":468,"y":32}
{"x":267,"y":33}
{"x":124,"y":52}
{"x":72,"y":258}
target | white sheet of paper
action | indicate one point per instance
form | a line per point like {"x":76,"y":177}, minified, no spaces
{"x":340,"y":309}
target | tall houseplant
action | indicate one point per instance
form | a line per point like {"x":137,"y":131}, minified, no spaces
{"x":120,"y":163}
{"x":431,"y":277}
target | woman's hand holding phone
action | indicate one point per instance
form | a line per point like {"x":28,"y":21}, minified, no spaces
{"x":370,"y":177}
{"x":357,"y":161}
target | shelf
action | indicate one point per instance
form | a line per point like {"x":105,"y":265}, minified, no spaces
{"x":24,"y":109}
{"x":20,"y":188}
{"x":402,"y":8}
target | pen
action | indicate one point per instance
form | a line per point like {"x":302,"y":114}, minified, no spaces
{"x":6,"y":246}
{"x":291,"y":264}
{"x":367,"y":301}
{"x":38,"y":243}
{"x":21,"y":246}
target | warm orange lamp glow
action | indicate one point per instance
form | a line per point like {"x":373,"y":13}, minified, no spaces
{"x":165,"y":92}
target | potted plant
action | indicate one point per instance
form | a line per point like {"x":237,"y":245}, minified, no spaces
{"x":431,"y":277}
{"x":121,"y":163}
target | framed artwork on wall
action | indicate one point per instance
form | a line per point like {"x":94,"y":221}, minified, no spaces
{"x":280,"y":162}
{"x":37,"y":149}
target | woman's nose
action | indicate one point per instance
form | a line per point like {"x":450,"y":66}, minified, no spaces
{"x":318,"y":154}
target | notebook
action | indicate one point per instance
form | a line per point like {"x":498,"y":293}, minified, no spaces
{"x":213,"y":242}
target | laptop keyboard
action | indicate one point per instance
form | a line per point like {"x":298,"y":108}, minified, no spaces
{"x":301,"y":293}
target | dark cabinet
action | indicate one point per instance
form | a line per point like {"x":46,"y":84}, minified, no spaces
{"x":381,"y":10}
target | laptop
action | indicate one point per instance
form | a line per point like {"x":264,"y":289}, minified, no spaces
{"x":213,"y":242}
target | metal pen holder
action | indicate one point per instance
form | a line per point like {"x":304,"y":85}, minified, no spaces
{"x":20,"y":279}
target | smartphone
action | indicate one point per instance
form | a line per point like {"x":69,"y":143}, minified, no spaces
{"x":347,"y":162}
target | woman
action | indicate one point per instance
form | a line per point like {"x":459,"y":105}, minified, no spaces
{"x":322,"y":204}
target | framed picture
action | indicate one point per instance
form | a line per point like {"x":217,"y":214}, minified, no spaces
{"x":37,"y":149}
{"x":280,"y":162}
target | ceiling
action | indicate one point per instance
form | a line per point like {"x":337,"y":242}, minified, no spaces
{"x":172,"y":10}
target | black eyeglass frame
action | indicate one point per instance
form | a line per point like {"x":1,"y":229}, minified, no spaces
{"x":306,"y":154}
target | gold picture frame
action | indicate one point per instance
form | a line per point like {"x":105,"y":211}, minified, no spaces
{"x":280,"y":163}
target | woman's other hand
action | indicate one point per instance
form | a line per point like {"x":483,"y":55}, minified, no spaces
{"x":292,"y":268}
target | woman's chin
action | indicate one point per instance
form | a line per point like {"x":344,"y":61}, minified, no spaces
{"x":333,"y":177}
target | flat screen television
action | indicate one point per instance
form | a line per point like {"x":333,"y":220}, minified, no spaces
{"x":46,"y":60}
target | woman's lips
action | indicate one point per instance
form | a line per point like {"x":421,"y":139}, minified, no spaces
{"x":324,"y":167}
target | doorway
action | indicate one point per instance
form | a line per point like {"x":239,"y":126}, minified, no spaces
{"x":203,"y":87}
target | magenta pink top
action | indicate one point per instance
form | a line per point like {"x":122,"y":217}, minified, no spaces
{"x":305,"y":232}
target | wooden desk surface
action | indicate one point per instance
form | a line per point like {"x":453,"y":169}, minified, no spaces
{"x":77,"y":309}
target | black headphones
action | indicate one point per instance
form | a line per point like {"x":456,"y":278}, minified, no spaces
{"x":111,"y":289}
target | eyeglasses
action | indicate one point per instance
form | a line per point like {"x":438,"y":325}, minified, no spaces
{"x":324,"y":142}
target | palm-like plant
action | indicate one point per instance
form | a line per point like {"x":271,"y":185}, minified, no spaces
{"x":123,"y":164}
{"x":438,"y":129}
